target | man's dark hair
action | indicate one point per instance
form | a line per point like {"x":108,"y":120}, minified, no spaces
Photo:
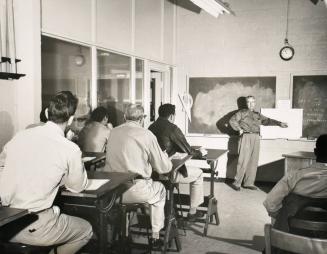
{"x":321,"y":148}
{"x":99,"y":114}
{"x":166,"y":110}
{"x":62,"y":106}
{"x":43,"y":117}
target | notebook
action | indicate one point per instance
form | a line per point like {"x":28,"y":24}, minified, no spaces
{"x":85,"y":159}
{"x":94,"y":184}
{"x":178,"y":156}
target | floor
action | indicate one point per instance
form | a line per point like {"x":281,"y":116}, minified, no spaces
{"x":242,"y":219}
{"x":241,"y":228}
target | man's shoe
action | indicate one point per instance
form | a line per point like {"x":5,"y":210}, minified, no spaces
{"x":197,"y":215}
{"x":235,"y":187}
{"x":251,"y":187}
{"x":156,"y":244}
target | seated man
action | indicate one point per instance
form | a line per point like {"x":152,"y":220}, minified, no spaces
{"x":36,"y":162}
{"x":132,"y":148}
{"x":298,"y":188}
{"x":43,"y":119}
{"x":94,"y":136}
{"x":172,"y":140}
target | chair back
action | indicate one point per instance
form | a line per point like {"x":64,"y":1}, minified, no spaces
{"x":294,"y":243}
{"x":310,"y":221}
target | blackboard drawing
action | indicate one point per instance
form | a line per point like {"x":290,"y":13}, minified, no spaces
{"x":217,"y":99}
{"x":310,"y":94}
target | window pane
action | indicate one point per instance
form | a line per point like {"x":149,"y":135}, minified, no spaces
{"x":139,"y":74}
{"x":114,"y":84}
{"x":66,"y":66}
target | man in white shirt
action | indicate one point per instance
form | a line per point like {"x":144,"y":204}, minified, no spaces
{"x":37,"y":162}
{"x":298,"y":188}
{"x":132,"y":148}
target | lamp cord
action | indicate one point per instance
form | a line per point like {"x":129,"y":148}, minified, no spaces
{"x":287,"y":13}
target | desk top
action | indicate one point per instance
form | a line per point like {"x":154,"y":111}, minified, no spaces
{"x":214,"y":154}
{"x":94,"y":154}
{"x":300,"y":155}
{"x":116,"y":179}
{"x":8,"y":214}
{"x":98,"y":156}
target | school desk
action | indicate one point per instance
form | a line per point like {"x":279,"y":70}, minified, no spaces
{"x":94,"y":205}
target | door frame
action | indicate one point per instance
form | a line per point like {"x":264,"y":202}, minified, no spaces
{"x":165,"y":70}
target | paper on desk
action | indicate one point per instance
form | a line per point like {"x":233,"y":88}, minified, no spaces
{"x":85,"y":159}
{"x":178,"y":156}
{"x":202,"y":150}
{"x":94,"y":184}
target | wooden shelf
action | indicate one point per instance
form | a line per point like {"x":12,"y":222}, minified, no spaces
{"x":9,"y":75}
{"x":8,"y":60}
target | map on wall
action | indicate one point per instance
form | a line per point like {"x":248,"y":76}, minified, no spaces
{"x":310,"y":93}
{"x":217,"y":99}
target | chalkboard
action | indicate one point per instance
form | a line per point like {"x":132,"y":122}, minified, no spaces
{"x":217,"y":99}
{"x":310,"y":93}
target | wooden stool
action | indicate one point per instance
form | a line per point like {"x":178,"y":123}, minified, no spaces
{"x":19,"y":248}
{"x":125,"y":230}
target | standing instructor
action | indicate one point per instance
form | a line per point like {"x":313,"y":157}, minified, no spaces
{"x":247,"y":122}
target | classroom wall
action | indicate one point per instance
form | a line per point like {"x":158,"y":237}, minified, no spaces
{"x":248,"y":44}
{"x":21,"y":99}
{"x":142,"y":28}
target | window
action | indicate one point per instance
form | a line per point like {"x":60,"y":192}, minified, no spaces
{"x":139,"y":80}
{"x":113,"y":91}
{"x":66,"y":66}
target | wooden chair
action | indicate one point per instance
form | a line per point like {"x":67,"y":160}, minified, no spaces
{"x":125,"y":226}
{"x":294,"y":243}
{"x":310,"y":221}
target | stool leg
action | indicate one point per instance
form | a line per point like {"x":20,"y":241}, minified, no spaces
{"x":176,"y":237}
{"x":216,"y":212}
{"x":167,"y":233}
{"x":124,"y":246}
{"x":208,"y":215}
{"x":181,"y":209}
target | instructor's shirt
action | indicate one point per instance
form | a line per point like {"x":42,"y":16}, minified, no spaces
{"x":250,"y":121}
{"x":36,"y":162}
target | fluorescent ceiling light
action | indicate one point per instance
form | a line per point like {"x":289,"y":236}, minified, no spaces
{"x":213,"y":7}
{"x":316,"y":1}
